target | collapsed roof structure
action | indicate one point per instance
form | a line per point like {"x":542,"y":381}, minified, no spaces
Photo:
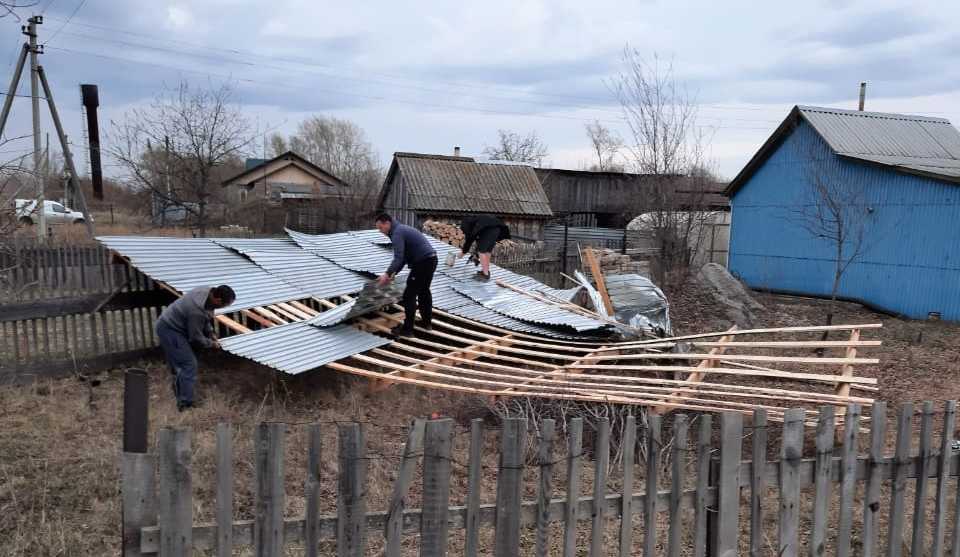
{"x":307,"y":301}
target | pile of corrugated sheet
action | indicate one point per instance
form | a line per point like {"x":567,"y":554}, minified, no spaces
{"x":307,"y":301}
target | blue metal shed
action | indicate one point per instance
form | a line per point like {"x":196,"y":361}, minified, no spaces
{"x":900,"y":181}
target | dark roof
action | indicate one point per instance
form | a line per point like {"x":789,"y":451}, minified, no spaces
{"x":913,"y":144}
{"x":253,"y":163}
{"x":613,"y":192}
{"x":251,"y":170}
{"x":461,"y":184}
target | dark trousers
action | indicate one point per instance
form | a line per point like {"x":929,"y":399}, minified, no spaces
{"x":418,"y":292}
{"x":182,"y":362}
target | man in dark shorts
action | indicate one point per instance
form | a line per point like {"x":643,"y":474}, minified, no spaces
{"x":486,"y":231}
{"x":410,"y":248}
{"x":187,"y":324}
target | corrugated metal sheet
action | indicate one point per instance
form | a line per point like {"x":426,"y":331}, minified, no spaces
{"x":910,"y":262}
{"x":185,"y":263}
{"x":349,"y":251}
{"x":911,"y":142}
{"x":298,"y":347}
{"x":460,"y":184}
{"x":373,"y":236}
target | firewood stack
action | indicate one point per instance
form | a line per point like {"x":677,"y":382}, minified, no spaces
{"x":451,"y":234}
{"x":612,"y":262}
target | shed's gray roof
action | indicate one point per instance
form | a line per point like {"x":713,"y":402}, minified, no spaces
{"x":914,"y":144}
{"x":463,"y":185}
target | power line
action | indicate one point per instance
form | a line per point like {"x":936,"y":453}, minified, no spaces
{"x":73,"y":13}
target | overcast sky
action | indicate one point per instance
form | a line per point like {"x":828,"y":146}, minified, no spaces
{"x":425,"y":76}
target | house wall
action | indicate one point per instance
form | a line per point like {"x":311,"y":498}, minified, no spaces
{"x":396,"y":201}
{"x":910,"y":260}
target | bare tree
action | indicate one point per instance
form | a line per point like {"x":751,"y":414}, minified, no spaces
{"x":338,"y":146}
{"x":511,"y":146}
{"x":606,"y":145}
{"x":834,"y":211}
{"x":668,"y":147}
{"x":16,"y":182}
{"x":174,"y":147}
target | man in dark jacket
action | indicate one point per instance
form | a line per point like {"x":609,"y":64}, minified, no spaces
{"x":410,"y":248}
{"x":187,"y":324}
{"x":486,"y":231}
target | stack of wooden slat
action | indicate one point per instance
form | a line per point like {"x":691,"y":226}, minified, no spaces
{"x":445,"y":232}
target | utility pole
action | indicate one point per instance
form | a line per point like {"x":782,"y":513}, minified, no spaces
{"x":31,"y":33}
{"x":863,"y":94}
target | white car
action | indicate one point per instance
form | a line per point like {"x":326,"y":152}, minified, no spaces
{"x":55,"y":213}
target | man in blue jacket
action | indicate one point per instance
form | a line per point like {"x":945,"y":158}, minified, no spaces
{"x":410,"y":248}
{"x":187,"y":324}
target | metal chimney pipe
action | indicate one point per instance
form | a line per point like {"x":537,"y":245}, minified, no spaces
{"x":91,"y":100}
{"x":456,"y":151}
{"x":863,"y":94}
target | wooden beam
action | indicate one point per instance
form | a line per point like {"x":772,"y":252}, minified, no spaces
{"x":270,"y":315}
{"x":698,"y":376}
{"x":846,"y":370}
{"x":810,"y":329}
{"x":597,"y":273}
{"x":262,"y":321}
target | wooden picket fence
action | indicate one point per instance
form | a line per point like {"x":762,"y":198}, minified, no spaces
{"x":727,"y":498}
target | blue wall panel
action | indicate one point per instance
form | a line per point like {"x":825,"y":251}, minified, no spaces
{"x":910,"y":254}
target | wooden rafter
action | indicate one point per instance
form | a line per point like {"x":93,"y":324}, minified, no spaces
{"x":706,"y":364}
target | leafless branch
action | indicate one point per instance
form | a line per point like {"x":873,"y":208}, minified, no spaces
{"x":511,"y":146}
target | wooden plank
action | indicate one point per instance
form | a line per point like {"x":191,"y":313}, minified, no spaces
{"x":46,"y":338}
{"x":601,"y":458}
{"x":728,"y":507}
{"x":597,"y":274}
{"x":351,"y":496}
{"x":269,"y":492}
{"x":698,"y":376}
{"x":701,"y":505}
{"x":311,"y":529}
{"x":545,"y":488}
{"x":472,"y":535}
{"x":790,"y":454}
{"x":412,"y":450}
{"x":224,"y":513}
{"x":846,"y":370}
{"x":654,"y":445}
{"x":924,"y":464}
{"x":871,"y":493}
{"x":680,"y":429}
{"x":138,"y":495}
{"x":898,"y":488}
{"x":509,"y":485}
{"x":16,"y":343}
{"x":436,"y":487}
{"x":628,"y":455}
{"x":943,"y":475}
{"x":574,"y":456}
{"x":807,"y":329}
{"x":65,"y":331}
{"x":176,"y":506}
{"x":821,"y":499}
{"x":848,"y":479}
{"x":758,"y":485}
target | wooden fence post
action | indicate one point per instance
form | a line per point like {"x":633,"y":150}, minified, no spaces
{"x":224,"y":512}
{"x":139,"y":498}
{"x":823,"y":465}
{"x":700,"y":512}
{"x":943,"y":475}
{"x":412,"y":451}
{"x":627,"y":455}
{"x":176,"y":505}
{"x":901,"y":468}
{"x":545,"y":491}
{"x":924,"y":463}
{"x":871,"y":493}
{"x":473,"y":488}
{"x":268,"y":505}
{"x":311,"y":528}
{"x":351,"y":497}
{"x":848,"y":479}
{"x":436,"y":487}
{"x":728,"y":493}
{"x":654,"y":445}
{"x":679,"y":463}
{"x":601,"y":460}
{"x":758,"y":487}
{"x":509,"y":484}
{"x":791,"y":453}
{"x":574,"y":459}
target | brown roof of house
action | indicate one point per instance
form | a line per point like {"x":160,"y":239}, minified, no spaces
{"x":256,"y":172}
{"x":462,"y":184}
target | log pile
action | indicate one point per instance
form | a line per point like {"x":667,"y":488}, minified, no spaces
{"x":451,"y":234}
{"x":612,"y":262}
